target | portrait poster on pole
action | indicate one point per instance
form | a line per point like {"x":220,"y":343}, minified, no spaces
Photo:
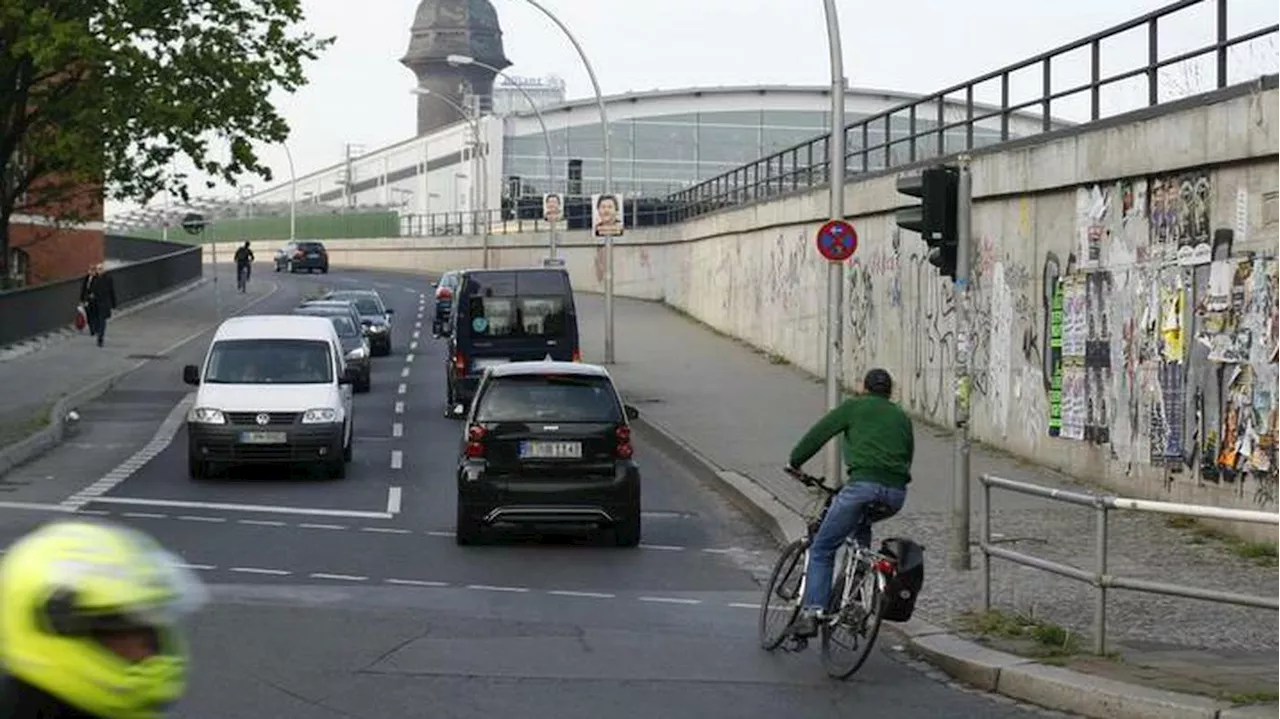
{"x":552,"y":207}
{"x":607,"y":215}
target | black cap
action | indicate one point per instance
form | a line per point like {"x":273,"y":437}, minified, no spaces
{"x":878,"y":382}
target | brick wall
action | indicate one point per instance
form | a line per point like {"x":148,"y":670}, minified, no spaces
{"x":55,"y":252}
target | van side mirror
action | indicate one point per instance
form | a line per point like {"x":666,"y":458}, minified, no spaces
{"x":631,"y":412}
{"x":435,"y":284}
{"x":390,"y":311}
{"x":349,"y":376}
{"x":191,"y":375}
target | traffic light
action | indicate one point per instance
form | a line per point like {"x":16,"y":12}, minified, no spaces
{"x":935,"y":217}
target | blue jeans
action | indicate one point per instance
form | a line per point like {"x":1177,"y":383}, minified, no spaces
{"x":844,"y":517}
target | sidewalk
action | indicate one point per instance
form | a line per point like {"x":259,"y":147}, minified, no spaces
{"x":33,"y":383}
{"x":743,"y":413}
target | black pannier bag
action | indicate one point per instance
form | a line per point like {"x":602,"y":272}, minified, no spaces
{"x":903,"y":588}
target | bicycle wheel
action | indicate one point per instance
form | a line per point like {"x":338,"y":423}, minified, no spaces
{"x":855,"y":629}
{"x":782,"y":596}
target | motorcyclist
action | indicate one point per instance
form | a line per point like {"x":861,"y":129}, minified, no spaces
{"x":90,"y":624}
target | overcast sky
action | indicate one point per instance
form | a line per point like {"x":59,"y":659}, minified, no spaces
{"x":359,"y":92}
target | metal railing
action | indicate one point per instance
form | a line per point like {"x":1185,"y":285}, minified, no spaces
{"x":507,"y":222}
{"x":806,"y":165}
{"x":1100,"y":578}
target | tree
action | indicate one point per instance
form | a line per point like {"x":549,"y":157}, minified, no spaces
{"x":100,"y":96}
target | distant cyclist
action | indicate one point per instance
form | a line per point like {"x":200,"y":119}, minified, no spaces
{"x":878,"y":445}
{"x":91,"y":624}
{"x":244,"y":266}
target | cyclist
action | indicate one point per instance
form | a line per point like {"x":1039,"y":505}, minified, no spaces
{"x":90,"y":624}
{"x":244,"y":265}
{"x":878,"y":445}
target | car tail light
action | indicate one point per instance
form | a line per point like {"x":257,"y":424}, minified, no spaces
{"x":444,"y":293}
{"x":577,"y":355}
{"x":459,"y":364}
{"x":475,"y":441}
{"x":622,"y":434}
{"x":884,"y":566}
{"x":298,"y":253}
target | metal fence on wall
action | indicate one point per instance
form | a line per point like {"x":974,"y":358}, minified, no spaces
{"x":926,"y":137}
{"x":33,"y":311}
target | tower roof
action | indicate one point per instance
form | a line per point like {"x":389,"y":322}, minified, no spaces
{"x":455,"y":27}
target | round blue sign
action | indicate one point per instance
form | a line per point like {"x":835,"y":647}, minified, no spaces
{"x":479,"y":324}
{"x":837,"y":240}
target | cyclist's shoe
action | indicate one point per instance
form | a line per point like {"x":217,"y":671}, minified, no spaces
{"x":805,"y":624}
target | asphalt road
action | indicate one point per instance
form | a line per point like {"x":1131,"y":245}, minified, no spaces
{"x":349,"y":598}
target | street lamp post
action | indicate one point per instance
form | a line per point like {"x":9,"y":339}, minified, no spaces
{"x":546,"y":135}
{"x":293,"y":194}
{"x":835,"y":270}
{"x":484,"y":165}
{"x":608,"y":177}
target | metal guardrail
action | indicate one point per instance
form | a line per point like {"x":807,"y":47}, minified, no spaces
{"x":1100,"y":578}
{"x":33,"y":311}
{"x":133,"y":249}
{"x":806,"y":165}
{"x":507,"y":222}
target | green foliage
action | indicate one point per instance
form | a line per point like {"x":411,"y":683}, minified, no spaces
{"x":113,"y":91}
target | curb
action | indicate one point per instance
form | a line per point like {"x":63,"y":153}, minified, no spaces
{"x":46,"y":439}
{"x":967,"y":661}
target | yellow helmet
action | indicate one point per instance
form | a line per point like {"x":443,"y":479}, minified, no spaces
{"x":68,"y":586}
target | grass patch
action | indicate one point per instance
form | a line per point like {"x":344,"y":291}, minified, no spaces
{"x":1263,"y":697}
{"x":19,"y":426}
{"x":1029,"y":636}
{"x":1263,"y":554}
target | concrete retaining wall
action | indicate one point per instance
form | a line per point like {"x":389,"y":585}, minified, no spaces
{"x":1132,"y":398}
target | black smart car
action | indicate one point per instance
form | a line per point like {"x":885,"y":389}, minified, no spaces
{"x":548,"y":443}
{"x":445,"y":288}
{"x":309,"y":256}
{"x":374,"y":316}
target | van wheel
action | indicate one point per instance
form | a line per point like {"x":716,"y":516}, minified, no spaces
{"x":348,"y":451}
{"x":197,"y":469}
{"x":467,"y":530}
{"x":627,"y":532}
{"x":338,"y":469}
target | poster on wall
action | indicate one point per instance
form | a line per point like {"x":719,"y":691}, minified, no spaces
{"x":1180,"y":217}
{"x":1055,"y":360}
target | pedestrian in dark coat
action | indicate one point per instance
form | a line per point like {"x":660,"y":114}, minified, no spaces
{"x":98,"y":294}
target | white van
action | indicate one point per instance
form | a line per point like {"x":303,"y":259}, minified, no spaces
{"x":274,"y":389}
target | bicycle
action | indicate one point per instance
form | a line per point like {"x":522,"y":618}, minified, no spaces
{"x":857,"y":594}
{"x":242,"y":277}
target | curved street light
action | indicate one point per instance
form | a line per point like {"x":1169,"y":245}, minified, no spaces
{"x":608,"y":177}
{"x":457,"y":60}
{"x":482,"y":162}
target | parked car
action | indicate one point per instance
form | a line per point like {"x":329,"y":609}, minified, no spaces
{"x":445,"y":288}
{"x":504,"y":316}
{"x":354,"y":344}
{"x":548,"y":443}
{"x":283,"y":255}
{"x":375,"y":316}
{"x":273,"y":389}
{"x":308,"y":255}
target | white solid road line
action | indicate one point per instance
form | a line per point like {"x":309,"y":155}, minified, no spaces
{"x":397,"y":430}
{"x":229,"y":507}
{"x":394,"y":499}
{"x":397,"y":459}
{"x":399,"y":407}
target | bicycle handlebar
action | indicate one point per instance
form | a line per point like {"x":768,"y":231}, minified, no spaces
{"x":809,"y":480}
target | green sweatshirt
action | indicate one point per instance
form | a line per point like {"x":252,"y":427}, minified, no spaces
{"x":878,"y":441}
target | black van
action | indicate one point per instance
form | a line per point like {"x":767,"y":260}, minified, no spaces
{"x":502,"y":316}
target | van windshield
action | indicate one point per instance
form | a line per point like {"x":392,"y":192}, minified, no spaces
{"x":269,"y":361}
{"x":517,"y":316}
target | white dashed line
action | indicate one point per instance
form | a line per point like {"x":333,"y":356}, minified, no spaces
{"x":439,"y":534}
{"x":393,"y":500}
{"x":306,"y":525}
{"x":198,"y":567}
{"x":743,"y":605}
{"x":259,"y":570}
{"x":339,"y":577}
{"x":397,"y":430}
{"x":399,"y":407}
{"x":404,"y":372}
{"x":397,"y":459}
{"x":262,"y":522}
{"x":408,"y":359}
{"x":386,"y":530}
{"x":193,"y":518}
{"x":490,"y":588}
{"x":662,"y":547}
{"x":417,"y":325}
{"x":413,"y":346}
{"x":142,"y":515}
{"x":720,"y":550}
{"x":402,"y":388}
{"x":416,"y":583}
{"x":670,"y":600}
{"x":588,"y":595}
{"x":416,"y":333}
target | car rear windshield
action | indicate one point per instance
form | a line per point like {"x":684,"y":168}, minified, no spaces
{"x":514,"y":283}
{"x":517,"y":316}
{"x":559,"y":398}
{"x":449,"y":280}
{"x":344,"y":326}
{"x":269,"y":361}
{"x":365,"y":304}
{"x":311,"y":247}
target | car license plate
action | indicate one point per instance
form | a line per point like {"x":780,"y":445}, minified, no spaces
{"x":313,"y":256}
{"x":487,"y":362}
{"x":551,"y":450}
{"x":263,"y":438}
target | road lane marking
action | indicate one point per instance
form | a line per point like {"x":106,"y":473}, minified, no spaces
{"x":338,"y":577}
{"x":307,"y":525}
{"x":662,"y":547}
{"x":416,"y":333}
{"x":588,"y":595}
{"x":399,"y":407}
{"x":260,"y":570}
{"x":198,"y":567}
{"x":743,"y":605}
{"x":413,"y":346}
{"x":393,"y":500}
{"x":438,"y":533}
{"x":417,"y":325}
{"x":261,"y":522}
{"x":491,"y":588}
{"x":386,"y":530}
{"x":231,"y":507}
{"x":402,"y":388}
{"x":142,"y":515}
{"x":670,"y":600}
{"x":408,"y":359}
{"x":397,"y":459}
{"x":38,"y":507}
{"x":404,"y":372}
{"x":397,"y":430}
{"x":416,"y":582}
{"x":193,"y":518}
